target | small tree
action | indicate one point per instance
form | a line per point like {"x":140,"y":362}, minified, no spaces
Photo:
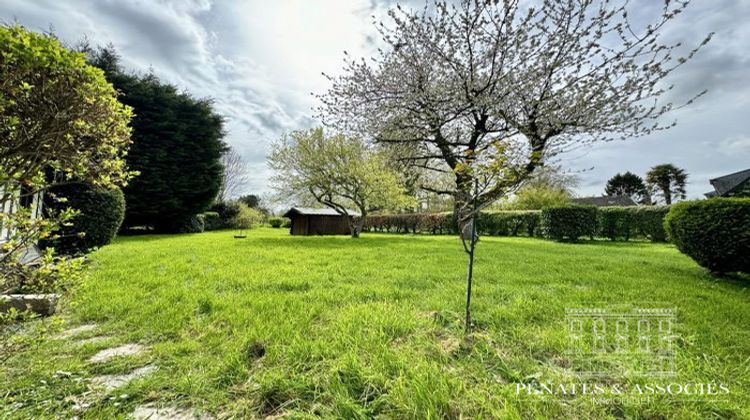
{"x":503,"y":86}
{"x":628,"y":185}
{"x":59,"y":121}
{"x":667,"y":181}
{"x":339,"y":172}
{"x":549,"y":186}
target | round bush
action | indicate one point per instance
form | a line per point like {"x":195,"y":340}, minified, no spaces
{"x":101,"y":214}
{"x":715,"y":232}
{"x":193,"y":224}
{"x":568,"y":222}
{"x":227,"y":212}
{"x":247,"y":218}
{"x":211,"y":220}
{"x":276,"y":222}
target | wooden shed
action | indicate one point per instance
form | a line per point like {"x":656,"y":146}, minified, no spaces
{"x":310,"y":221}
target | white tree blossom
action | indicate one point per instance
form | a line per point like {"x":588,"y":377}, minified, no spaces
{"x":487,"y":90}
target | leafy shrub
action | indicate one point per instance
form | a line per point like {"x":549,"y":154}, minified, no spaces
{"x":434,"y":223}
{"x":101,"y":212}
{"x":193,"y":224}
{"x":633,"y":221}
{"x":715,"y":233}
{"x":212,"y":220}
{"x":227,"y":212}
{"x":246,"y":218}
{"x":650,"y":222}
{"x":568,"y":222}
{"x":277,"y":222}
{"x":616,"y":222}
{"x":509,"y":223}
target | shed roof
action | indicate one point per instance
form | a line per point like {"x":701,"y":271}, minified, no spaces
{"x":606,"y":201}
{"x":727,"y":183}
{"x":310,"y":211}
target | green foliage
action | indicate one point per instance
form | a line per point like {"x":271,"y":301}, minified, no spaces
{"x":57,"y":114}
{"x":193,"y":224}
{"x":715,"y":233}
{"x":177,"y":147}
{"x":495,"y":223}
{"x":38,"y":79}
{"x":277,"y":222}
{"x":100,"y":214}
{"x":337,"y":171}
{"x":227,"y":211}
{"x":433,"y":223}
{"x":246,"y":218}
{"x":250,"y":200}
{"x":667,"y":181}
{"x":538,"y":197}
{"x":650,"y":222}
{"x":509,"y":223}
{"x":629,"y":185}
{"x":568,"y":222}
{"x":212,"y":220}
{"x":616,"y":222}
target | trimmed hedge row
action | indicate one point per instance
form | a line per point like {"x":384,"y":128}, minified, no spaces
{"x":623,"y":223}
{"x":715,"y":233}
{"x":560,"y":223}
{"x":569,"y":222}
{"x":509,"y":223}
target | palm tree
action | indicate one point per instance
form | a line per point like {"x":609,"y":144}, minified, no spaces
{"x":667,"y":181}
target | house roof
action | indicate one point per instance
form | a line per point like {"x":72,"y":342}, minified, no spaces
{"x":727,"y":183}
{"x":606,"y":201}
{"x":310,"y":211}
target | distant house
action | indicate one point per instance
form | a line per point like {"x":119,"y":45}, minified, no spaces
{"x":732,"y":185}
{"x":311,"y":221}
{"x":11,"y":205}
{"x":605,"y":201}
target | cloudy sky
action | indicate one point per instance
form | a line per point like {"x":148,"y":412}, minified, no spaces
{"x":261,"y":60}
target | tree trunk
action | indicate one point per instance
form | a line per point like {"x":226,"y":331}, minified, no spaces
{"x":470,"y":273}
{"x":355,"y":224}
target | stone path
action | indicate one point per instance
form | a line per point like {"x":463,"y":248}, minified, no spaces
{"x":124,"y":350}
{"x":112,"y":382}
{"x":103,"y":385}
{"x":75,"y":331}
{"x":149,"y":412}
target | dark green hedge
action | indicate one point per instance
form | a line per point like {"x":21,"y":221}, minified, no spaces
{"x":569,"y":222}
{"x":193,"y":224}
{"x":616,"y":223}
{"x":624,"y":223}
{"x":434,"y":223}
{"x":101,"y":214}
{"x":509,"y":223}
{"x":277,"y":222}
{"x":714,"y":232}
{"x":227,"y":211}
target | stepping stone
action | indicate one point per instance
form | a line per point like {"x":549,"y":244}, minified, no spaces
{"x":92,"y":340}
{"x":149,"y":412}
{"x":124,"y":350}
{"x":75,"y":331}
{"x":111,"y":382}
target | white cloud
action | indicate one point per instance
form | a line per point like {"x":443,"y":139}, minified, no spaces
{"x":260,"y":60}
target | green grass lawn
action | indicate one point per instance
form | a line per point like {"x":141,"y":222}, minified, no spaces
{"x":336,"y":327}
